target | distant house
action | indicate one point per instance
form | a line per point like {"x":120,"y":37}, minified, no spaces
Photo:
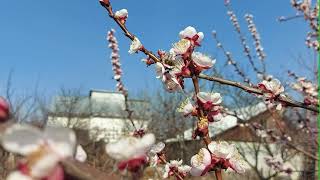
{"x":101,"y":115}
{"x":248,"y":142}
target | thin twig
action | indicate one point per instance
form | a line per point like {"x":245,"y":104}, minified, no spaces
{"x":286,"y":100}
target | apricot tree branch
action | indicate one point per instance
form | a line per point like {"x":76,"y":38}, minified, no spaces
{"x":286,"y":100}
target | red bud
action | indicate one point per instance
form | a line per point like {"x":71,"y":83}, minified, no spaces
{"x":4,"y":109}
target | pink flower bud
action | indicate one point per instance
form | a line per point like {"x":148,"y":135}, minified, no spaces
{"x":4,"y":110}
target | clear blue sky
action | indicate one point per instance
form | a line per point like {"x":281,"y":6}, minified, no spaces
{"x":62,"y":42}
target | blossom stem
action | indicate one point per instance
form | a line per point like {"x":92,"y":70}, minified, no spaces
{"x":243,"y":40}
{"x":218,"y":174}
{"x":195,"y":81}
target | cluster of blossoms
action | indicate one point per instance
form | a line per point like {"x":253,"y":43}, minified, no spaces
{"x":256,"y":36}
{"x":42,"y":151}
{"x":236,"y":25}
{"x":219,"y":155}
{"x":277,"y":164}
{"x":172,"y":168}
{"x":311,"y":40}
{"x":234,"y":20}
{"x":311,"y":15}
{"x":182,"y":61}
{"x":122,"y":16}
{"x":176,"y":168}
{"x":115,"y":60}
{"x":272,"y":89}
{"x":210,"y":103}
{"x":269,"y":135}
{"x":309,"y":90}
{"x":131,"y":152}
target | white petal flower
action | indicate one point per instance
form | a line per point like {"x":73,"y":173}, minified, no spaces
{"x":175,"y":163}
{"x":43,"y":150}
{"x":22,"y":139}
{"x":61,"y":140}
{"x":274,"y":87}
{"x":174,"y":166}
{"x":181,"y":47}
{"x":157,"y":148}
{"x":44,"y":165}
{"x":171,"y":84}
{"x":237,"y":163}
{"x":200,"y":38}
{"x":166,"y":171}
{"x":130,"y":147}
{"x":186,"y":107}
{"x":190,"y":32}
{"x":221,"y":149}
{"x":123,"y":13}
{"x":135,"y":46}
{"x":217,"y":117}
{"x":279,"y":107}
{"x":214,"y":98}
{"x":17,"y":175}
{"x":81,"y":154}
{"x":153,"y":160}
{"x":199,"y":162}
{"x":184,"y":169}
{"x":160,"y":70}
{"x":202,"y":61}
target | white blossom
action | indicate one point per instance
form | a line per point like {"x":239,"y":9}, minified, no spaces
{"x":186,"y":108}
{"x":135,"y":46}
{"x":157,"y":148}
{"x":175,"y":166}
{"x":160,"y":70}
{"x":130,"y":147}
{"x":123,"y":13}
{"x":45,"y":149}
{"x":181,"y":47}
{"x":237,"y":163}
{"x":200,"y":162}
{"x":214,"y":98}
{"x":190,"y":32}
{"x":221,"y":149}
{"x":272,"y":87}
{"x":81,"y":154}
{"x":202,"y":61}
{"x":17,"y":175}
{"x":228,"y":152}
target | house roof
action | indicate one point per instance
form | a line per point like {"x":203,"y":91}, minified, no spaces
{"x":99,"y":103}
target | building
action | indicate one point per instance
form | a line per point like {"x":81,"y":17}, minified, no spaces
{"x":100,"y":116}
{"x":238,"y":131}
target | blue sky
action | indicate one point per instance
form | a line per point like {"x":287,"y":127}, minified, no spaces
{"x":62,"y":43}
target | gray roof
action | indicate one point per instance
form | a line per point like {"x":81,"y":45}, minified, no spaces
{"x":104,"y":104}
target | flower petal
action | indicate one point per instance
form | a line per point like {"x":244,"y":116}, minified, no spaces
{"x":44,"y":166}
{"x":61,"y":140}
{"x":81,"y":154}
{"x":22,"y":139}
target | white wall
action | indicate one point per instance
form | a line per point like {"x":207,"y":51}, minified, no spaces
{"x":107,"y":129}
